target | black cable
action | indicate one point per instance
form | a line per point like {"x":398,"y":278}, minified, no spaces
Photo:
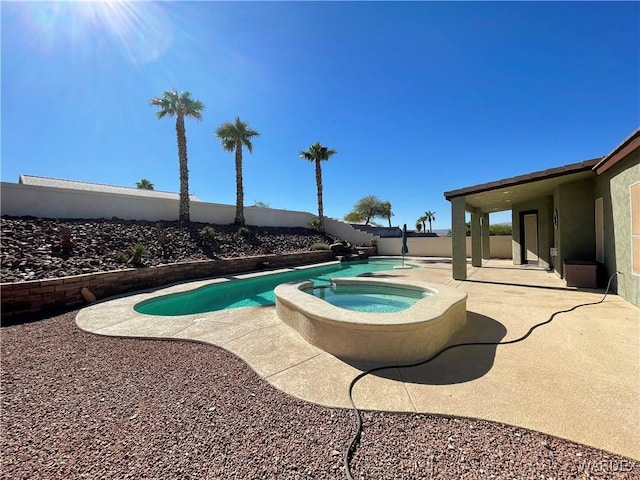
{"x":354,"y":441}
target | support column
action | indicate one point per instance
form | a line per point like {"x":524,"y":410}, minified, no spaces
{"x":458,"y":239}
{"x":476,"y":240}
{"x":486,"y":246}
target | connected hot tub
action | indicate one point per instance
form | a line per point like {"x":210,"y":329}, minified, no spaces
{"x":414,"y":332}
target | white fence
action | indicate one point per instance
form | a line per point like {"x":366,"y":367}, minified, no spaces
{"x":499,"y":246}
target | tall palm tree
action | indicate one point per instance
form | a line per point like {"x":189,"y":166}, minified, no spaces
{"x":144,"y":184}
{"x":233,"y":136}
{"x":180,"y":105}
{"x":430,"y":216}
{"x":317,"y":153}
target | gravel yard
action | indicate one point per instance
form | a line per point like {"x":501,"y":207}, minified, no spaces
{"x":32,"y":248}
{"x":76,"y":405}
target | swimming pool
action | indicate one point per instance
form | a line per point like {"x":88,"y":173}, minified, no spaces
{"x":256,"y":291}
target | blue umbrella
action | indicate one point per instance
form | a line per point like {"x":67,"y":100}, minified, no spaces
{"x":405,"y":249}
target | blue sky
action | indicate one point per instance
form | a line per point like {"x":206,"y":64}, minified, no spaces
{"x":417,"y":98}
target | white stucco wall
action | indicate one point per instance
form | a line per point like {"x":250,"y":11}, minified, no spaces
{"x":52,"y":202}
{"x":500,"y":246}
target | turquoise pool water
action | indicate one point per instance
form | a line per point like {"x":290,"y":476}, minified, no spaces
{"x":368,"y":298}
{"x":257,"y":291}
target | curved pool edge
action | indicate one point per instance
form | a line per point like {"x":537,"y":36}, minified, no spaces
{"x":401,"y":337}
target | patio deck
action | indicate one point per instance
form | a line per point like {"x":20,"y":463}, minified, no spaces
{"x":577,"y":378}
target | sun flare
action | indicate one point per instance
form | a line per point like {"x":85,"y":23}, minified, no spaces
{"x":140,"y":30}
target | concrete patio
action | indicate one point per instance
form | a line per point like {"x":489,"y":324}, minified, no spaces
{"x":577,"y":378}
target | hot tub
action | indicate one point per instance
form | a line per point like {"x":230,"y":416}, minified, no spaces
{"x":409,"y":335}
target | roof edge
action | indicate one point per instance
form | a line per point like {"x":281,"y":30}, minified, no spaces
{"x":526,"y":178}
{"x":628,"y":145}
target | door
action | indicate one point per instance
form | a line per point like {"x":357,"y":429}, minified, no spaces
{"x":530,"y":238}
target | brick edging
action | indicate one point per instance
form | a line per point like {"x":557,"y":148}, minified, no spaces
{"x":41,"y":295}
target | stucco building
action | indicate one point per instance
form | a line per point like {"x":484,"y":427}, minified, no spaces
{"x":582,"y":216}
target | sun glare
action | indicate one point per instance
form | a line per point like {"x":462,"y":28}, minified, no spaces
{"x":141,"y":30}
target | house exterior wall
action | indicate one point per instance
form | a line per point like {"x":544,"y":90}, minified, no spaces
{"x":575,"y":237}
{"x":544,"y":208}
{"x":614,"y":186}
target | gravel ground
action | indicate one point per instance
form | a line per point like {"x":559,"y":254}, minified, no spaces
{"x":35,"y":248}
{"x":76,"y":405}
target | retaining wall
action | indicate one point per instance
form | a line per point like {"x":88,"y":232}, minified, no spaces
{"x":64,"y":293}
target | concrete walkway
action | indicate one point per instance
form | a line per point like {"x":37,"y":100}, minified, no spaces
{"x":576,"y":378}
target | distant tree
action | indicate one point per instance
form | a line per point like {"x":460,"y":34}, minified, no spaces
{"x":386,"y":211}
{"x":419,"y":225}
{"x":422,"y":220}
{"x":233,"y":137}
{"x":261,"y":204}
{"x":144,"y":184}
{"x":180,"y":105}
{"x":316,"y":153}
{"x":430,"y":216}
{"x":354,"y":217}
{"x":501,"y":229}
{"x":368,"y":208}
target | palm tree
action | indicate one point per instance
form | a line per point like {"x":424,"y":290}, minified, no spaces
{"x":430,"y":216}
{"x":180,"y":105}
{"x":144,"y":184}
{"x":386,"y":211}
{"x":317,"y":153}
{"x":233,"y":136}
{"x":422,"y":220}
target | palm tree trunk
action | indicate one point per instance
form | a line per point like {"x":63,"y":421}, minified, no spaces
{"x":183,"y":216}
{"x":389,"y":222}
{"x":430,"y":231}
{"x":239,"y":190}
{"x":319,"y":185}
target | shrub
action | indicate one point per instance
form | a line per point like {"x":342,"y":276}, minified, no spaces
{"x":132,"y":255}
{"x":319,"y":246}
{"x":243,"y":231}
{"x":122,"y":257}
{"x":208,"y":232}
{"x":136,"y":253}
{"x":374,"y":242}
{"x":315,"y":223}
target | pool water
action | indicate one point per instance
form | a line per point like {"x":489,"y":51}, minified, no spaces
{"x":256,"y":291}
{"x":368,"y":298}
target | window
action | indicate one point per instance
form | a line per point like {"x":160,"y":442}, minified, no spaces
{"x":635,"y":227}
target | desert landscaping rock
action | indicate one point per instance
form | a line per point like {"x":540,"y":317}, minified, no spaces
{"x":37,"y":249}
{"x":82,"y":406}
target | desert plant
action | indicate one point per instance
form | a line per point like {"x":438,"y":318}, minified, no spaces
{"x":319,"y":246}
{"x":122,"y":257}
{"x":419,"y":226}
{"x":208,"y":232}
{"x":314,"y":223}
{"x":136,"y":253}
{"x":243,"y":231}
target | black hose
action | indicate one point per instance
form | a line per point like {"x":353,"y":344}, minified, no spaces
{"x":356,"y":437}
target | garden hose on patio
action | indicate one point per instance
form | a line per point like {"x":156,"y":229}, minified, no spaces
{"x":356,"y":437}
